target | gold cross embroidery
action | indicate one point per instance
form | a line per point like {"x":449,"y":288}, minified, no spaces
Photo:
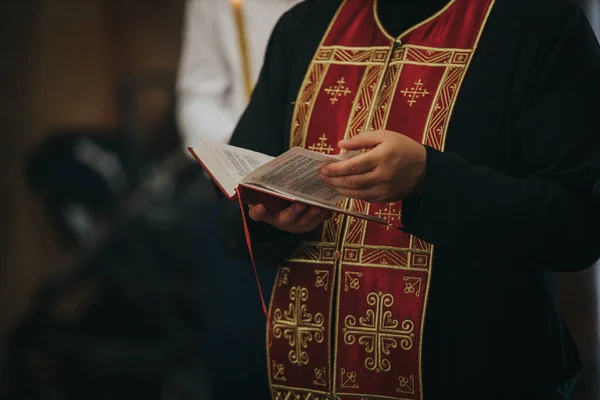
{"x":389,"y":214}
{"x":337,"y":91}
{"x":378,"y":332}
{"x":298,"y":326}
{"x":415,"y":92}
{"x":321,"y":147}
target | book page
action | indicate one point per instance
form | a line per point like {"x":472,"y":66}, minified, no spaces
{"x":228,"y":165}
{"x":296,"y":173}
{"x":310,"y":202}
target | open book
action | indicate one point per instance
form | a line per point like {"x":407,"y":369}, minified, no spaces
{"x":273,"y":181}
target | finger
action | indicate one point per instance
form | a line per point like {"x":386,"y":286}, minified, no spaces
{"x":360,"y":182}
{"x":357,"y":165}
{"x":307,"y":217}
{"x":283,"y":219}
{"x":311,"y":218}
{"x":257,"y":212}
{"x":364,"y":140}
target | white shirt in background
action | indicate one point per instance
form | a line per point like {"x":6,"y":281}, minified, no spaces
{"x":211,"y":93}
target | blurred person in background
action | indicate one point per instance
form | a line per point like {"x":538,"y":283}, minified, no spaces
{"x":222,"y":53}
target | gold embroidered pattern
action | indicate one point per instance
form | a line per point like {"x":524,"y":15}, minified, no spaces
{"x":355,"y":231}
{"x":407,"y":54}
{"x":381,"y":110}
{"x":352,"y":55}
{"x":282,"y":393}
{"x":349,"y":379}
{"x":337,"y":91}
{"x":307,"y":251}
{"x":322,"y":279}
{"x":378,"y":332}
{"x":431,"y":56}
{"x":279,"y":372}
{"x":331,"y":231}
{"x":389,"y":214}
{"x":320,"y":376}
{"x":406,"y":385}
{"x":364,"y":98}
{"x":284,"y":276}
{"x":305,"y":103}
{"x":413,"y":285}
{"x":384,"y":256}
{"x":435,"y":130}
{"x":414,"y":93}
{"x":321,"y":147}
{"x":352,"y":281}
{"x":298,"y":326}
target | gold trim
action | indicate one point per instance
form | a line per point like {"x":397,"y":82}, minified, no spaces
{"x":309,"y":91}
{"x":355,"y":103}
{"x":268,"y":325}
{"x":387,"y":266}
{"x":387,"y":47}
{"x":308,"y":72}
{"x":392,"y":63}
{"x":434,"y":105}
{"x":407,"y":54}
{"x":412,"y":28}
{"x":461,"y":80}
{"x":301,"y":390}
{"x":443,"y":145}
{"x":393,"y":93}
{"x":366,"y":396}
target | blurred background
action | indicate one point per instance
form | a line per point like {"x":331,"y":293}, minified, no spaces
{"x":105,"y":224}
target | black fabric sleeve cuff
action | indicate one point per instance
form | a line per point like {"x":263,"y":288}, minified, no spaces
{"x":418,"y":211}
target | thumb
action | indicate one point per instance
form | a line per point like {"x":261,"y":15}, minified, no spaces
{"x":364,"y":140}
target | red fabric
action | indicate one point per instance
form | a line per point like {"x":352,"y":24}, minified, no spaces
{"x":249,"y":244}
{"x":360,"y":320}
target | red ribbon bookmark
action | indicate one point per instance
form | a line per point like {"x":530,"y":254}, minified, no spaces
{"x":249,"y":244}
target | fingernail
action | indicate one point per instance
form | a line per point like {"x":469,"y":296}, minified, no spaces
{"x":324,"y":172}
{"x":299,"y":208}
{"x":315,"y":211}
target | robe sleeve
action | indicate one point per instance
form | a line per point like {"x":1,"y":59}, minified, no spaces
{"x":262,"y":128}
{"x":548,"y":217}
{"x":204,"y":78}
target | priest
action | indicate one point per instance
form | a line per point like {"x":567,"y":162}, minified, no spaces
{"x":479,"y":124}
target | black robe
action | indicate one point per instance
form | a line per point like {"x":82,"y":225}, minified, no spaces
{"x":514,"y":197}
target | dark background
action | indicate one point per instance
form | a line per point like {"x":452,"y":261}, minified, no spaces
{"x":70,"y":65}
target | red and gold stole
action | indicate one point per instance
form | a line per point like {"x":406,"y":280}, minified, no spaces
{"x":348,"y":308}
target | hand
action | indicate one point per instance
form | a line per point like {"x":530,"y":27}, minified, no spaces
{"x":392,"y":169}
{"x":295,"y":218}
